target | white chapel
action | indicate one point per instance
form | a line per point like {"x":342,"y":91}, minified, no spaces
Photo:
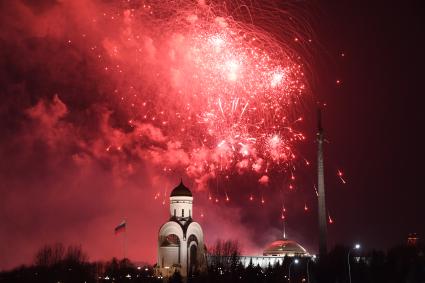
{"x":180,"y":240}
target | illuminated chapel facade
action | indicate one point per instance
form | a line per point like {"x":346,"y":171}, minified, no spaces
{"x":180,"y":240}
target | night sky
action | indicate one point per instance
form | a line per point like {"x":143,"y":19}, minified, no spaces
{"x":60,"y":111}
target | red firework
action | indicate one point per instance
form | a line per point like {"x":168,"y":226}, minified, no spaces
{"x":225,"y":90}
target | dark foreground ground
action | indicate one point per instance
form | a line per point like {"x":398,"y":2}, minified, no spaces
{"x":400,"y":264}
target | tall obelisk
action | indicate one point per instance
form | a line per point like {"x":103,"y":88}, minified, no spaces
{"x":321,"y":191}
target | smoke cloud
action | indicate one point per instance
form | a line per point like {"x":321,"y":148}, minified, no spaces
{"x":75,"y":162}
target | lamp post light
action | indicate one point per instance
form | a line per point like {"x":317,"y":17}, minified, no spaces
{"x":356,"y":247}
{"x":308,"y":271}
{"x":296,"y":261}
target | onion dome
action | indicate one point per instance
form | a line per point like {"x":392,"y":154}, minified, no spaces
{"x":285,"y":247}
{"x":181,"y":191}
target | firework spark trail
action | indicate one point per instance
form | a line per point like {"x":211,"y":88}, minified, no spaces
{"x":226,"y":91}
{"x":341,"y":176}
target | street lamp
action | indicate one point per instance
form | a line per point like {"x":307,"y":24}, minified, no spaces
{"x":296,"y":261}
{"x":356,"y":247}
{"x":308,"y":271}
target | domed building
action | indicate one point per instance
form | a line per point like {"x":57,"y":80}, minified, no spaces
{"x":285,"y":247}
{"x":180,"y":240}
{"x":275,"y":252}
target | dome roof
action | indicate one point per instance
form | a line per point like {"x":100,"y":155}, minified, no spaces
{"x":181,"y":191}
{"x":284,"y":247}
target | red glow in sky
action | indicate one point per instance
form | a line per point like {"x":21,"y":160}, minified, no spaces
{"x":106,"y":104}
{"x":118,"y":100}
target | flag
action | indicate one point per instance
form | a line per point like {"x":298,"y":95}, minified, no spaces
{"x":121,"y":227}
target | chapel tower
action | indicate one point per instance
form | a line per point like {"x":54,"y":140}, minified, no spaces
{"x":181,"y":240}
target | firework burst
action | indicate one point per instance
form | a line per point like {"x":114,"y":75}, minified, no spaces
{"x":225,"y":90}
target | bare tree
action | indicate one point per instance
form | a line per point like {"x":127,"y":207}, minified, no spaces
{"x":75,"y":255}
{"x":50,"y":255}
{"x":225,"y":254}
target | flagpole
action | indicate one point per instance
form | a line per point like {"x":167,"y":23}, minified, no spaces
{"x":125,"y":240}
{"x":125,"y":237}
{"x":122,"y":228}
